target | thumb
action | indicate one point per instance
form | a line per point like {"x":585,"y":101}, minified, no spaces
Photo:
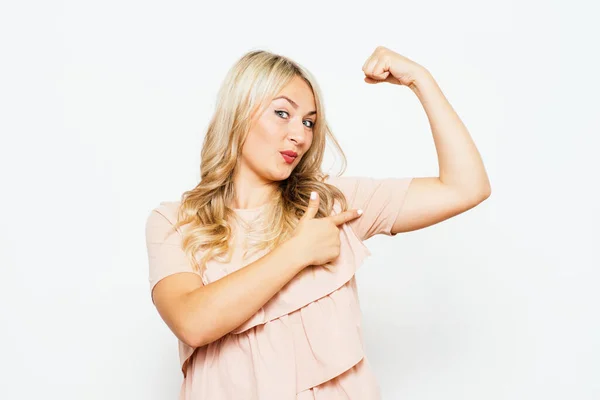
{"x":313,"y":206}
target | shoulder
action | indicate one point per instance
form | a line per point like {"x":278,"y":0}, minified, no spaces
{"x":345,"y":181}
{"x":348,"y":185}
{"x":338,"y":181}
{"x":367,"y":183}
{"x":165,"y":210}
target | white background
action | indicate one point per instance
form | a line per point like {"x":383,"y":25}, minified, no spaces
{"x":103,"y":106}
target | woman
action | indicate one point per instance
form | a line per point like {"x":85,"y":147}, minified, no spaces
{"x":254,"y":275}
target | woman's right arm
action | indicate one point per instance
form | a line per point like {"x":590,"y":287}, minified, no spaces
{"x":199,"y":314}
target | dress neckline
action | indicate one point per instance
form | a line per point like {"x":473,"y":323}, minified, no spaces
{"x":250,"y":211}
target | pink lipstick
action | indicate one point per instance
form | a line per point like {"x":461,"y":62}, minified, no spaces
{"x":289,"y":156}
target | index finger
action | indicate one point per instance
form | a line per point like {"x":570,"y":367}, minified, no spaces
{"x":346,"y":216}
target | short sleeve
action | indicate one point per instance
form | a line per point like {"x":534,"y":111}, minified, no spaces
{"x":165,"y":255}
{"x":380,"y":199}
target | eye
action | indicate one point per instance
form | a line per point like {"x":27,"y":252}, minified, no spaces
{"x":280,"y":111}
{"x":312,"y":124}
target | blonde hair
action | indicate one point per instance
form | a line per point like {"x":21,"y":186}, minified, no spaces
{"x":247,"y":90}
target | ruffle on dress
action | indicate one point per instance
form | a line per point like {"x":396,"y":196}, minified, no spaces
{"x":307,"y":334}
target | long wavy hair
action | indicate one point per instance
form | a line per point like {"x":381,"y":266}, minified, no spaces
{"x":247,"y":90}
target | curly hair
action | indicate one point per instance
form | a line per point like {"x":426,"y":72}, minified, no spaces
{"x":249,"y":86}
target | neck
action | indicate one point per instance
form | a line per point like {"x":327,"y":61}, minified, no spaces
{"x":251,"y":193}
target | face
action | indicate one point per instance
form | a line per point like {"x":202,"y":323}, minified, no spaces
{"x":285,"y":126}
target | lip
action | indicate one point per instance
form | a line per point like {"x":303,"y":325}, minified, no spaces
{"x":289,"y":153}
{"x":288,"y":156}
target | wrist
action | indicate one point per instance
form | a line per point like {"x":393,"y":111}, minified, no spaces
{"x":293,"y":256}
{"x":422,"y":78}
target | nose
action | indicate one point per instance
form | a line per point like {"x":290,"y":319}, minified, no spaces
{"x":297,"y":132}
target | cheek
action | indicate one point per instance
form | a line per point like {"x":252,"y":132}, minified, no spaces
{"x":251,"y":152}
{"x":269,"y":130}
{"x":260,"y":144}
{"x":262,"y":136}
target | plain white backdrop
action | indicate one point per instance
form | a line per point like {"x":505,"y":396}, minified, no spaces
{"x":103,"y":107}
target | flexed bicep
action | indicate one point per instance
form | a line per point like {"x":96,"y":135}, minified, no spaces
{"x":429,"y":201}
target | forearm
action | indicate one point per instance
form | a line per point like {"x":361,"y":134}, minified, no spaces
{"x":460,"y":164}
{"x":221,"y":306}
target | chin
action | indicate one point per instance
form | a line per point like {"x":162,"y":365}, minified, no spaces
{"x":281,"y":175}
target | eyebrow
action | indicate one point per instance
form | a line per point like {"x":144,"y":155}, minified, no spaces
{"x":293,"y":103}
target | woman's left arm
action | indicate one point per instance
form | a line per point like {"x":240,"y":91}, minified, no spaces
{"x":462,"y":182}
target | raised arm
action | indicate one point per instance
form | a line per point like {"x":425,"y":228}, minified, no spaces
{"x":462,"y":182}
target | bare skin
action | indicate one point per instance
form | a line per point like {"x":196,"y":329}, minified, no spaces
{"x":281,"y":127}
{"x":462,"y":182}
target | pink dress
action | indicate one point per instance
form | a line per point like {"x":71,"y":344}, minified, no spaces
{"x":306,"y":342}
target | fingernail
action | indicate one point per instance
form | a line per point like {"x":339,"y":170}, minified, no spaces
{"x":313,"y":195}
{"x":360,"y":211}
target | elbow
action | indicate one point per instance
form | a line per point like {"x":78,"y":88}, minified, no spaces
{"x":191,"y":340}
{"x":187,"y":335}
{"x":481,"y":192}
{"x":198,"y":332}
{"x":476,"y":195}
{"x":194,"y":335}
{"x":485,"y":192}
